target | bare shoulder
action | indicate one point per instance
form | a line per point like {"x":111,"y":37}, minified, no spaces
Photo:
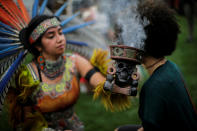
{"x":80,"y":60}
{"x":82,"y":64}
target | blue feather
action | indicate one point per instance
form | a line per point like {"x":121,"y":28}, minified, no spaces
{"x":5,"y":34}
{"x":76,"y":43}
{"x":72,"y":28}
{"x":6,"y":45}
{"x":60,"y":10}
{"x":42,"y":8}
{"x":35,"y":8}
{"x":69,"y":19}
{"x":6,"y":27}
{"x":9,"y":49}
{"x":8,"y":40}
{"x":2,"y":56}
{"x":8,"y":74}
{"x":6,"y":31}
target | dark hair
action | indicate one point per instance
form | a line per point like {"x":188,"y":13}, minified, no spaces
{"x":26,"y":32}
{"x":87,"y":3}
{"x":162,"y":30}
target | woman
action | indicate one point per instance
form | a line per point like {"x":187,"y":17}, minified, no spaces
{"x":46,"y":89}
{"x":164,"y":101}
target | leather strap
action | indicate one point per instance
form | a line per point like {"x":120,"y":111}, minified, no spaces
{"x":90,"y":73}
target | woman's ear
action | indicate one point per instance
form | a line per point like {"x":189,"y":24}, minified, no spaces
{"x":39,"y":48}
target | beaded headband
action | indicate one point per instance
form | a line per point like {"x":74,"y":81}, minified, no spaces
{"x":42,"y":27}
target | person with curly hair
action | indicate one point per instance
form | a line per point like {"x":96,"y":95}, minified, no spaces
{"x":165,"y":103}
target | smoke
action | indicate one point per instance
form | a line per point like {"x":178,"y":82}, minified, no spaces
{"x":124,"y":14}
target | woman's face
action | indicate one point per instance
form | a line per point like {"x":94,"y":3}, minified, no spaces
{"x":53,"y":43}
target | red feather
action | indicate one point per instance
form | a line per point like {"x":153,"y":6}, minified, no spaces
{"x":7,"y":9}
{"x":16,"y":11}
{"x":6,"y":18}
{"x":12,"y":9}
{"x":24,"y":10}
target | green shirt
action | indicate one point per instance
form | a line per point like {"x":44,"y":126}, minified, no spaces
{"x":164,"y":102}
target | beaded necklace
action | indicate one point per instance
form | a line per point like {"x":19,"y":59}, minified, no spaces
{"x":53,"y":69}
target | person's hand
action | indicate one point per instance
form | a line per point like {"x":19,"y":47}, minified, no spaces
{"x":125,"y":91}
{"x":141,"y":129}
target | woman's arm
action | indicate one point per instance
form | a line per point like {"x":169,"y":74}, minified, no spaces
{"x":100,"y":60}
{"x":84,"y":66}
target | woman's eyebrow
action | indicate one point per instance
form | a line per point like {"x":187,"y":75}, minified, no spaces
{"x":60,"y":29}
{"x":53,"y":31}
{"x":50,"y":32}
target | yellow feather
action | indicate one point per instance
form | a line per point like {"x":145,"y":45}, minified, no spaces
{"x":100,"y":60}
{"x":26,"y":83}
{"x":34,"y":122}
{"x":112,"y":102}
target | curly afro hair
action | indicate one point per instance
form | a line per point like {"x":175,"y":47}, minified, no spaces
{"x":162,"y":30}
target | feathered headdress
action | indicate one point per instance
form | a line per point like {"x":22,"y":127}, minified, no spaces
{"x":13,"y":18}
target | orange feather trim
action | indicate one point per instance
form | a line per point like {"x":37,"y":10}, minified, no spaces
{"x":24,"y":10}
{"x":12,"y":9}
{"x":7,"y":18}
{"x":19,"y":15}
{"x":6,"y":8}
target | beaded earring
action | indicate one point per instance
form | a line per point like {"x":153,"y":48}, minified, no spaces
{"x":64,"y":57}
{"x":40,"y":61}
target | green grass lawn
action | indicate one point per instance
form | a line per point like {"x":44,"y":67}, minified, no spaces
{"x":96,"y":118}
{"x":185,"y":56}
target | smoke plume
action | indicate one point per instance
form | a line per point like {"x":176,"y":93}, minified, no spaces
{"x":124,"y":14}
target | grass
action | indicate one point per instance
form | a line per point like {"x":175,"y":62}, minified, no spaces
{"x":185,"y":57}
{"x":96,"y":118}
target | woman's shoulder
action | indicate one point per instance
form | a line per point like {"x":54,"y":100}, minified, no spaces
{"x":72,"y":57}
{"x":69,"y":54}
{"x":26,"y":75}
